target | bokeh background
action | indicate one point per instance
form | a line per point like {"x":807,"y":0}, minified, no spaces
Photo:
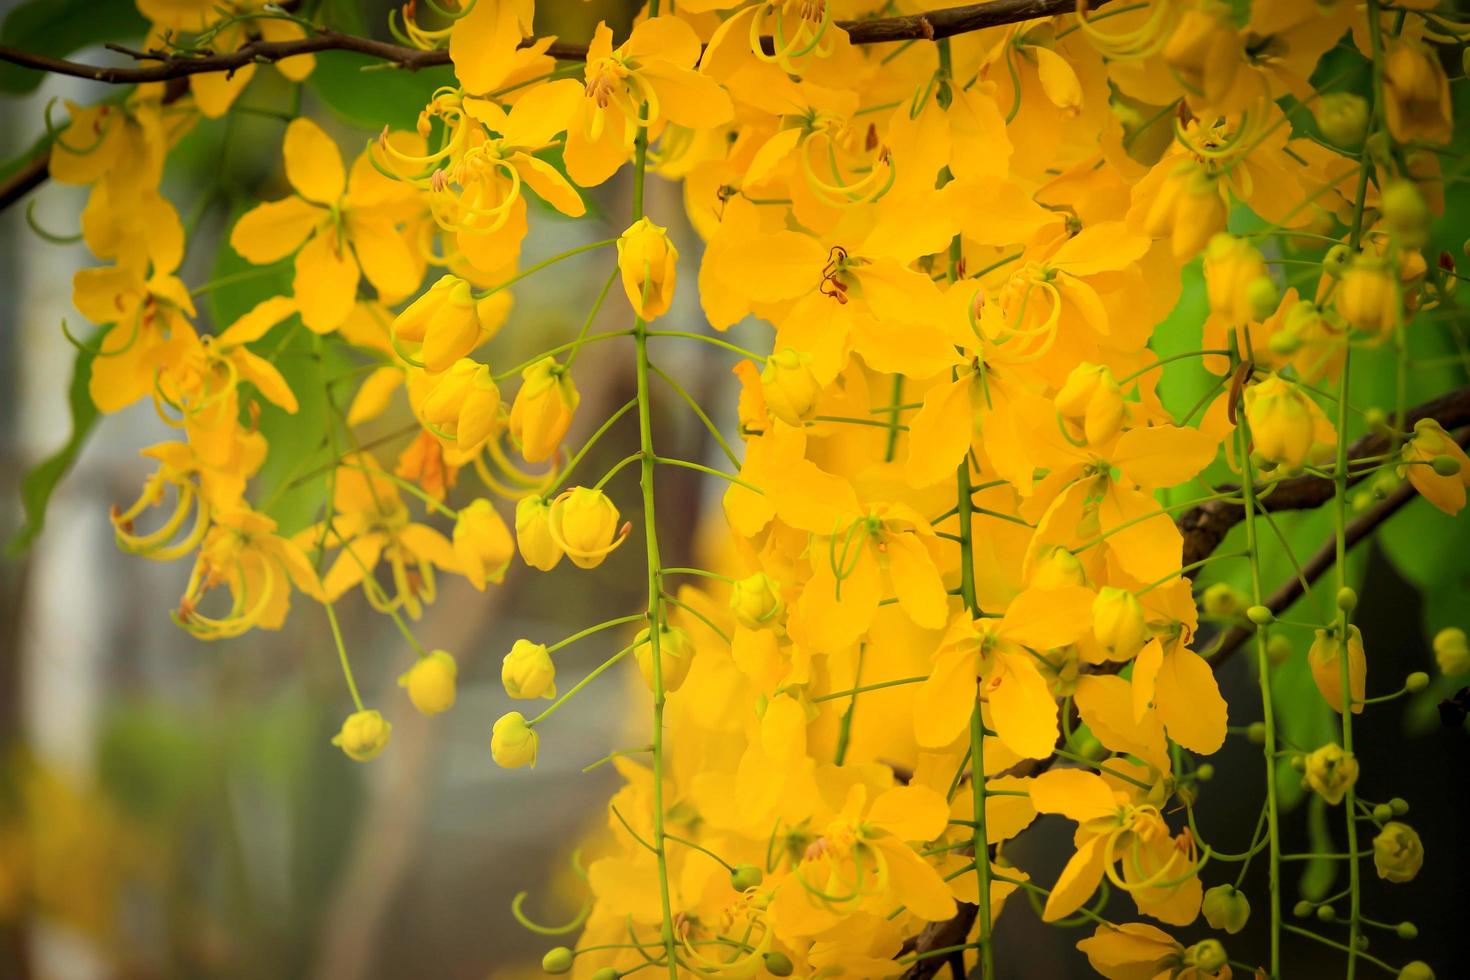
{"x":170,"y":808}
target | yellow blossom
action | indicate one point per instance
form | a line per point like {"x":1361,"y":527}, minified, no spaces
{"x":430,"y":683}
{"x":513,"y":742}
{"x":364,"y":734}
{"x":648,"y":263}
{"x":543,"y":409}
{"x":527,"y":671}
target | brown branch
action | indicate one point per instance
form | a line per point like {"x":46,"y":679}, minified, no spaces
{"x":1323,"y":559}
{"x":915,"y":27}
{"x":26,"y":179}
{"x":1205,"y":526}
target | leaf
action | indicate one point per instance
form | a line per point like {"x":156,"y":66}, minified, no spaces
{"x":36,"y":488}
{"x":61,"y":27}
{"x":370,"y":99}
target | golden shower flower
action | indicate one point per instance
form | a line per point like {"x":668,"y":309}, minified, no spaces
{"x":534,"y":540}
{"x":790,"y":388}
{"x":1331,"y":772}
{"x":649,"y":265}
{"x":584,"y":525}
{"x":527,"y":671}
{"x":482,"y":543}
{"x":1398,"y":854}
{"x":513,"y":742}
{"x":675,"y":655}
{"x":430,"y":683}
{"x":543,"y":409}
{"x":364,"y":734}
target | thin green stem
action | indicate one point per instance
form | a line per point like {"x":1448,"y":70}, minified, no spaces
{"x":544,"y":263}
{"x":591,"y":630}
{"x":595,"y":673}
{"x":704,"y":338}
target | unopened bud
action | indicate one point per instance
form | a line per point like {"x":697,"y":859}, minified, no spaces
{"x":1226,"y":907}
{"x":1302,"y":909}
{"x":1446,"y":465}
{"x":746,"y":876}
{"x":1383,"y":813}
{"x":1205,"y":773}
{"x":1223,"y":599}
{"x":778,"y":964}
{"x":1347,"y":598}
{"x":1417,"y":970}
{"x":558,"y":960}
{"x":1278,"y":649}
{"x":606,"y":973}
{"x":1260,"y":615}
{"x":1416,"y":682}
{"x":1256,"y":732}
{"x":1326,"y":913}
{"x":1262,"y":296}
{"x":1452,"y":651}
{"x":1208,"y":955}
{"x":1335,"y":262}
{"x":1399,"y":806}
{"x":1407,"y":930}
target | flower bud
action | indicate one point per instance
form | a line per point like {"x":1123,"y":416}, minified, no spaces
{"x":1347,"y":598}
{"x":745,"y":877}
{"x":1322,"y":658}
{"x":1336,"y":261}
{"x":789,"y":386}
{"x":756,"y":601}
{"x":1406,"y":930}
{"x":1262,"y":297}
{"x":1256,"y":732}
{"x":1326,"y":913}
{"x":1233,"y":270}
{"x":527,"y":671}
{"x":430,"y":683}
{"x":1208,"y":955}
{"x":780,"y":965}
{"x":1343,"y":118}
{"x":1399,"y":806}
{"x":558,"y":960}
{"x":1205,"y":52}
{"x":446,"y":396}
{"x":533,"y":534}
{"x":444,"y":320}
{"x":606,"y":973}
{"x":1091,"y":401}
{"x":1118,"y":623}
{"x":1224,"y":599}
{"x":1278,"y":649}
{"x":1398,"y":854}
{"x":1205,"y":773}
{"x":1188,"y":209}
{"x":1416,"y":682}
{"x":1417,"y":970}
{"x":1284,"y":422}
{"x":675,"y":654}
{"x":1226,"y":907}
{"x":1429,"y":444}
{"x":513,"y":742}
{"x":1057,"y":568}
{"x":648,"y":263}
{"x":1368,"y":296}
{"x":584,"y":524}
{"x":1383,"y":813}
{"x":482,"y":543}
{"x":1260,"y":615}
{"x":1404,"y":212}
{"x":1331,"y":771}
{"x":1452,"y":651}
{"x":543,"y":409}
{"x":1302,"y":909}
{"x":363,"y":735}
{"x":479,"y":413}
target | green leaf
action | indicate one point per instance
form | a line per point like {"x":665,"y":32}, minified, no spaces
{"x":36,"y":488}
{"x":1319,"y":873}
{"x":61,"y":27}
{"x":370,"y":99}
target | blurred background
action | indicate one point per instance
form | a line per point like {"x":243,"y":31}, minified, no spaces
{"x":170,"y":808}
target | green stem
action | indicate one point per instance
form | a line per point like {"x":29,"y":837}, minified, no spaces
{"x":700,"y":467}
{"x":592,"y":676}
{"x":703,"y":338}
{"x":342,"y":655}
{"x":591,"y":441}
{"x":544,"y":263}
{"x":589,"y":631}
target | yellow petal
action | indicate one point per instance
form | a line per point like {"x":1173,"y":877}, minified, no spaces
{"x":325,"y":283}
{"x":372,"y":398}
{"x":1189,"y":702}
{"x":483,"y":43}
{"x":1044,"y":619}
{"x":939,"y":434}
{"x":313,"y":162}
{"x":1163,"y":455}
{"x":944,"y":702}
{"x":387,"y":260}
{"x":910,"y":813}
{"x":274,"y":230}
{"x":1145,"y":675}
{"x":1021,"y":706}
{"x":254,"y":324}
{"x":916,"y":581}
{"x":549,"y":185}
{"x":915,"y":883}
{"x":1077,"y":882}
{"x":1074,"y":793}
{"x":263,"y":374}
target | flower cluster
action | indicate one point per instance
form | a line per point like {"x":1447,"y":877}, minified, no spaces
{"x":953,"y":599}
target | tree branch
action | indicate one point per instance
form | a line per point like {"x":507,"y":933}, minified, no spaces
{"x":914,"y":27}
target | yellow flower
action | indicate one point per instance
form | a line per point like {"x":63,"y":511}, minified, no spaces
{"x":363,"y":735}
{"x":1436,"y":466}
{"x":649,"y":265}
{"x":756,"y":601}
{"x":513,"y":742}
{"x":1343,"y":118}
{"x":1091,"y":403}
{"x":1189,"y":207}
{"x":1330,"y":772}
{"x":482,"y":543}
{"x":790,"y":388}
{"x":430,"y":683}
{"x":534,"y":539}
{"x":675,"y":654}
{"x":1118,"y":623}
{"x":1368,"y":296}
{"x":543,"y":409}
{"x":1205,"y":53}
{"x":1416,"y":94}
{"x":340,"y":228}
{"x":527,"y":671}
{"x":1398,"y":854}
{"x":444,"y":321}
{"x":1285,"y":424}
{"x":584,"y":524}
{"x":1239,"y":287}
{"x":1323,"y":658}
{"x":1451,"y":651}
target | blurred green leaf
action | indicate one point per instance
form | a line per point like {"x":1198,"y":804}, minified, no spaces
{"x":381,"y":95}
{"x":39,"y":483}
{"x":61,"y":27}
{"x":1318,"y":875}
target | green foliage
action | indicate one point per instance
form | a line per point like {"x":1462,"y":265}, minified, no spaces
{"x":39,"y":483}
{"x":366,"y":94}
{"x":60,"y":27}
